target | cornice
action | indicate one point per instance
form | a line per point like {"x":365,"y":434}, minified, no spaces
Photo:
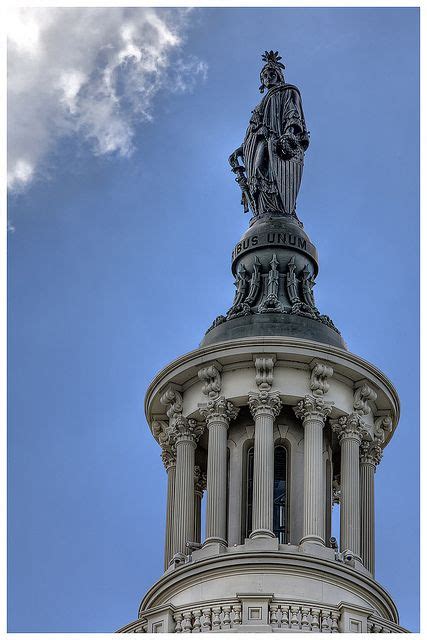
{"x":273,"y":561}
{"x":278,"y":345}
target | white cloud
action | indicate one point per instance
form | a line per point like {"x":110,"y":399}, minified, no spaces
{"x":91,"y":73}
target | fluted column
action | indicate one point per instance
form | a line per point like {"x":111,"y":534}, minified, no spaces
{"x":265,"y":407}
{"x":218,"y":414}
{"x":169,"y":460}
{"x":370,"y":457}
{"x":350,"y":430}
{"x":313,"y":413}
{"x":183,"y":530}
{"x":199,"y":487}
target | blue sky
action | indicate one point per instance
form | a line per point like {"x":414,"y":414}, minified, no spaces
{"x":119,"y":260}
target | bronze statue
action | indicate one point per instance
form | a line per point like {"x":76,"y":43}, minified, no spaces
{"x":274,"y":146}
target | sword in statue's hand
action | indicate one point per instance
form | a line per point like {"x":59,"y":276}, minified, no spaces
{"x":239,"y":171}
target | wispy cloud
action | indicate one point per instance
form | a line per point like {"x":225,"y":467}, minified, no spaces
{"x":91,"y":73}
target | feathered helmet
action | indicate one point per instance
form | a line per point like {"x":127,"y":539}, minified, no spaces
{"x":271,"y":59}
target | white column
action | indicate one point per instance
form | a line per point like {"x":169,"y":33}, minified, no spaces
{"x":169,"y":460}
{"x":349,"y":430}
{"x":265,"y":407}
{"x":370,"y":456}
{"x":218,"y":414}
{"x":313,"y":413}
{"x":183,"y":529}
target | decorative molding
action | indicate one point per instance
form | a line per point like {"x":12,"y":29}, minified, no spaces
{"x":255,"y":282}
{"x":219,"y":410}
{"x":361,"y":398}
{"x":320,"y":372}
{"x":313,"y":408}
{"x":264,"y":372}
{"x":211,"y":378}
{"x":272,"y":303}
{"x":172,"y":399}
{"x":265,"y":402}
{"x":382,"y":426}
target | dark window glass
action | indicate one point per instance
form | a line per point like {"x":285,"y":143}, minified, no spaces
{"x":249,"y":490}
{"x":279,"y":495}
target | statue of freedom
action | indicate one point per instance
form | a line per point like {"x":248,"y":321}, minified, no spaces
{"x":274,"y":146}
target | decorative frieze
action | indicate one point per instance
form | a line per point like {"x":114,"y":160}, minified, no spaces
{"x":320,"y":373}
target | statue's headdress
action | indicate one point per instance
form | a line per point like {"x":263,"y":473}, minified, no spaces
{"x":272,"y":59}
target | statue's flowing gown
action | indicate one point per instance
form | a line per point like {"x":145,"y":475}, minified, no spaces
{"x":273,"y":180}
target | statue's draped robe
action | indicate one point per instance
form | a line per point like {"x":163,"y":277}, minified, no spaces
{"x":274,"y":181}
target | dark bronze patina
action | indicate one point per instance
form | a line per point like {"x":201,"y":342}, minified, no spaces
{"x":274,"y":263}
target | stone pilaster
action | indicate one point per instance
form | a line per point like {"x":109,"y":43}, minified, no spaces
{"x":188,"y":432}
{"x":313,"y":412}
{"x":350,"y":430}
{"x":218,"y":413}
{"x":169,"y":460}
{"x":265,"y":406}
{"x":199,"y":488}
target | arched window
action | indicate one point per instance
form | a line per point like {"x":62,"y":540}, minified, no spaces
{"x":280,"y":490}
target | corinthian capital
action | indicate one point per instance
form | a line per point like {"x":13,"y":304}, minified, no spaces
{"x":219,"y":410}
{"x":351,"y":427}
{"x":163,"y":433}
{"x":187,"y":428}
{"x":320,"y":372}
{"x":267,"y":402}
{"x":313,"y":408}
{"x":370,"y":453}
{"x":168,"y":458}
{"x":172,"y":399}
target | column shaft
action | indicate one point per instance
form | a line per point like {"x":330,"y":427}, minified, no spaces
{"x":350,"y":496}
{"x":184,"y":494}
{"x":216,"y":504}
{"x":262,"y":513}
{"x":367,"y":515}
{"x":314,"y":499}
{"x":169,"y":516}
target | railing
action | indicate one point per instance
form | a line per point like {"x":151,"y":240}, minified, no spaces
{"x":226,"y":615}
{"x":284,"y":615}
{"x":219,"y":617}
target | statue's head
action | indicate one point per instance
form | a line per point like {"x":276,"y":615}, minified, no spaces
{"x":272,"y":72}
